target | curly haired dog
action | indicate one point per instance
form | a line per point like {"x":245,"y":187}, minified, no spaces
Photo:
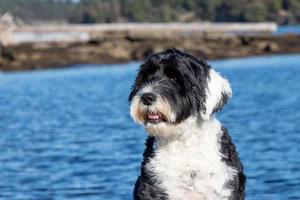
{"x":189,"y":155}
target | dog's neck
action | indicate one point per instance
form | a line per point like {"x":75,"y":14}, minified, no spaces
{"x":193,"y":130}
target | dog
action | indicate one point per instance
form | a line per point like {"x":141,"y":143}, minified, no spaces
{"x":189,"y":155}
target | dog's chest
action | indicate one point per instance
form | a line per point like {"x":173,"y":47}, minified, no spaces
{"x":191,"y":170}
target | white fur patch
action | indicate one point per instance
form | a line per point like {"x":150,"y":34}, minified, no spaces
{"x":216,"y":86}
{"x":169,"y":131}
{"x":189,"y":166}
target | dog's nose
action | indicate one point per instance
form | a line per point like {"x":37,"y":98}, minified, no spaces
{"x":148,"y":98}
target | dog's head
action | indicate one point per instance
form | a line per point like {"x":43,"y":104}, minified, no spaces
{"x":173,"y":87}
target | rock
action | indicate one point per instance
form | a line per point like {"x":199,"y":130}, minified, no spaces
{"x":124,"y":46}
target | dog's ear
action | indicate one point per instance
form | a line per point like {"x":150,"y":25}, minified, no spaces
{"x":218,"y":92}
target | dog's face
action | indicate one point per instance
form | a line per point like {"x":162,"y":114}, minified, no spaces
{"x":173,"y":88}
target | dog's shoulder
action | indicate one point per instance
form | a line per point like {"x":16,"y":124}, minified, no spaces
{"x":231,"y":158}
{"x":145,"y":186}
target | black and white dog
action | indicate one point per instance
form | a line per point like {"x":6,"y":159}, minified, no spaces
{"x":188,"y":155}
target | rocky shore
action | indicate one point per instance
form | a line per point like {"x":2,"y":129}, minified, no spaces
{"x":119,"y":46}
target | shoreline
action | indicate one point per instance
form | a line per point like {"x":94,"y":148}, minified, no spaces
{"x":138,"y":62}
{"x":119,"y":46}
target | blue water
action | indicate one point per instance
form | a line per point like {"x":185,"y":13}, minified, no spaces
{"x":67,"y":134}
{"x":288,"y":30}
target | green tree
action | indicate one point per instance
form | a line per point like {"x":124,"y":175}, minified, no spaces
{"x":106,"y":11}
{"x":255,"y":12}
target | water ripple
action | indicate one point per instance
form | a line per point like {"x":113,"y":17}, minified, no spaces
{"x":67,"y":134}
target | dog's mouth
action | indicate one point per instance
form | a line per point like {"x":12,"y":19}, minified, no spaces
{"x":154,"y":117}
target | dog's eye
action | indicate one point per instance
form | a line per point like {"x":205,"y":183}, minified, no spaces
{"x":172,"y":78}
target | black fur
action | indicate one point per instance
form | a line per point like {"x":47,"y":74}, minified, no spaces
{"x":232,"y":159}
{"x":146,"y":185}
{"x":221,"y":103}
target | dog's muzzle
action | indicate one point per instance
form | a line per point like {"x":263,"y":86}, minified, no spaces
{"x":149,"y":99}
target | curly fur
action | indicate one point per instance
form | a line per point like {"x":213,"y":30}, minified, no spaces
{"x":188,"y":155}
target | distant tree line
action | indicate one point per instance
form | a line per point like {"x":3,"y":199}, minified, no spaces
{"x":107,"y":11}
